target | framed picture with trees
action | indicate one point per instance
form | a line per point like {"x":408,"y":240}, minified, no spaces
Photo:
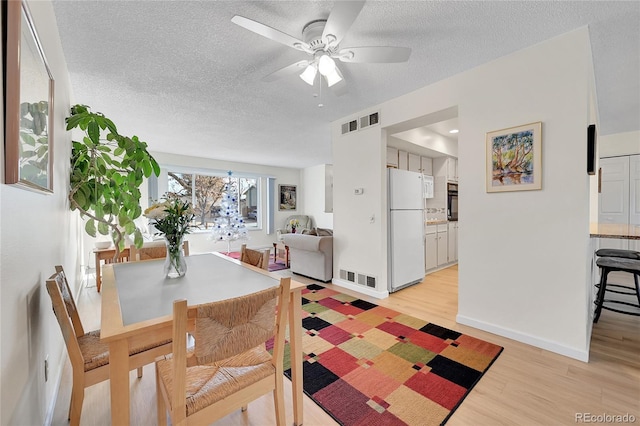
{"x":514,"y":158}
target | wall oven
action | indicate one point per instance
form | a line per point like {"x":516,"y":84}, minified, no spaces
{"x":452,"y":201}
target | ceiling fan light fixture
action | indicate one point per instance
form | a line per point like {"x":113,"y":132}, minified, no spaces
{"x":333,"y":78}
{"x":326,"y":65}
{"x":309,"y":74}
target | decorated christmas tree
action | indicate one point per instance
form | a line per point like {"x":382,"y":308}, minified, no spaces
{"x":229,"y":225}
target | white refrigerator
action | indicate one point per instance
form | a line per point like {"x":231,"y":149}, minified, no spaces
{"x":406,"y":228}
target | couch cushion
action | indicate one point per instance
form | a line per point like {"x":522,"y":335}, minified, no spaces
{"x":323,"y":232}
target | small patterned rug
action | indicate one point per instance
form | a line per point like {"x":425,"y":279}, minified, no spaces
{"x":365,"y":364}
{"x":273,"y":265}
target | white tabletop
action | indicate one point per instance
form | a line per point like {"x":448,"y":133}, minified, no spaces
{"x":145,"y":293}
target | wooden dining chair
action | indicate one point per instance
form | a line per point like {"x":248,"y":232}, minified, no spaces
{"x":153,"y":250}
{"x":255,"y":257}
{"x":88,"y":355}
{"x":229,"y":365}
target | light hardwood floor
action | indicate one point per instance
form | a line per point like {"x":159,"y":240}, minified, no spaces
{"x":525,"y":386}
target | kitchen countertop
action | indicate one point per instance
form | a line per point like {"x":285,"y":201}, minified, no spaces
{"x":614,"y":230}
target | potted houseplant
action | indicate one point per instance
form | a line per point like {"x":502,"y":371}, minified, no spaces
{"x":106,"y":173}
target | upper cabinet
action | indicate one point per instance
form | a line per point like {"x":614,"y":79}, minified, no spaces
{"x":403,"y":160}
{"x":427,"y":165}
{"x":446,"y":167}
{"x":619,"y":200}
{"x":392,"y":157}
{"x":414,"y":164}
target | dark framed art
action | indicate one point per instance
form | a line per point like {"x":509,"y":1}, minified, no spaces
{"x":29,"y":104}
{"x":592,"y":136}
{"x":287,"y":197}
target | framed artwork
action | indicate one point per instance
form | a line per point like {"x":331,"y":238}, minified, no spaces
{"x":514,"y":158}
{"x":29,"y":104}
{"x":287,"y":197}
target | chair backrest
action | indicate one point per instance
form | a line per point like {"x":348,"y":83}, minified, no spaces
{"x":67,"y":297}
{"x":255,"y":257}
{"x":61,"y":299}
{"x":153,"y":250}
{"x":227,"y":328}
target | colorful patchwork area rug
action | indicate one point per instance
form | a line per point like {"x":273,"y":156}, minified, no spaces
{"x":365,"y":364}
{"x":273,"y":265}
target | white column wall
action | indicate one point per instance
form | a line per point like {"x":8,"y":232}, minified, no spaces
{"x":522,"y":255}
{"x":313,"y":180}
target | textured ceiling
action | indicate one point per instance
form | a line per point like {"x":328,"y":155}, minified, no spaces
{"x":184,"y":78}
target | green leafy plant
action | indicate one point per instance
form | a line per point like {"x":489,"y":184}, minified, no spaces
{"x":106,"y":174}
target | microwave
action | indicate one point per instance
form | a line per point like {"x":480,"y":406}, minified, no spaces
{"x":427,"y":182}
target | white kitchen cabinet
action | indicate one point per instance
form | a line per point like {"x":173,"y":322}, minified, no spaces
{"x":414,"y":163}
{"x":403,"y":160}
{"x":443,"y":244}
{"x":426,"y":164}
{"x":392,"y":157}
{"x":446,"y":167}
{"x":619,"y":199}
{"x":453,"y":241}
{"x":452,"y":169}
{"x":431,"y":248}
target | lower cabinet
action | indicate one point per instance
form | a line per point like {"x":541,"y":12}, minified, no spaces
{"x":431,"y":252}
{"x":436,"y":246}
{"x":453,"y":241}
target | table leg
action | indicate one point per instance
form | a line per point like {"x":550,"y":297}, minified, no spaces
{"x":295,"y":335}
{"x":119,"y":377}
{"x":98,"y":277}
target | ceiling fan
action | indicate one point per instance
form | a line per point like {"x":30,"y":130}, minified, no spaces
{"x":321,"y":40}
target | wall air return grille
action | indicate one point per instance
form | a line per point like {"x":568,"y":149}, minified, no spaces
{"x":347,"y":275}
{"x":367,"y":280}
{"x":369,"y":120}
{"x":361,"y":123}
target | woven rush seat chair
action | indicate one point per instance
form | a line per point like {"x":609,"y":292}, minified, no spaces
{"x":255,"y":257}
{"x":89,"y":357}
{"x":611,"y":264}
{"x":153,"y":250}
{"x":229,"y":366}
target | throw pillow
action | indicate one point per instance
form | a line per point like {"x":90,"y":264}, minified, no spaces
{"x":309,"y":232}
{"x":322,"y":232}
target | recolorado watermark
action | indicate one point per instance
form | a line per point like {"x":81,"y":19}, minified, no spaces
{"x":604,"y":418}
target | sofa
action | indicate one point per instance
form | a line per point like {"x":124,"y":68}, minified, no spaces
{"x":311,"y":255}
{"x":306,"y":223}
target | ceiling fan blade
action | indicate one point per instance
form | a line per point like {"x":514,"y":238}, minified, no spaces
{"x":270,"y":33}
{"x":374,"y":54}
{"x":340,"y":19}
{"x":298,"y":67}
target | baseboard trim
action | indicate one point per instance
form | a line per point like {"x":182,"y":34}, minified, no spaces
{"x":580,"y":355}
{"x":360,"y":289}
{"x":48,"y":419}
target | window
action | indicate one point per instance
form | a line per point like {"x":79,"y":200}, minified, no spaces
{"x":205,"y":193}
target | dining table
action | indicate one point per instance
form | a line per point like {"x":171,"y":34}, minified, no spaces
{"x":137,"y":306}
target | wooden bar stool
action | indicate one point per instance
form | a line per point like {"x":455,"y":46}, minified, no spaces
{"x":611,"y":264}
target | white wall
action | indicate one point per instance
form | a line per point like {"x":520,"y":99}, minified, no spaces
{"x":619,"y":144}
{"x":315,"y":193}
{"x":522,"y":255}
{"x":199,"y":242}
{"x":38,"y":232}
